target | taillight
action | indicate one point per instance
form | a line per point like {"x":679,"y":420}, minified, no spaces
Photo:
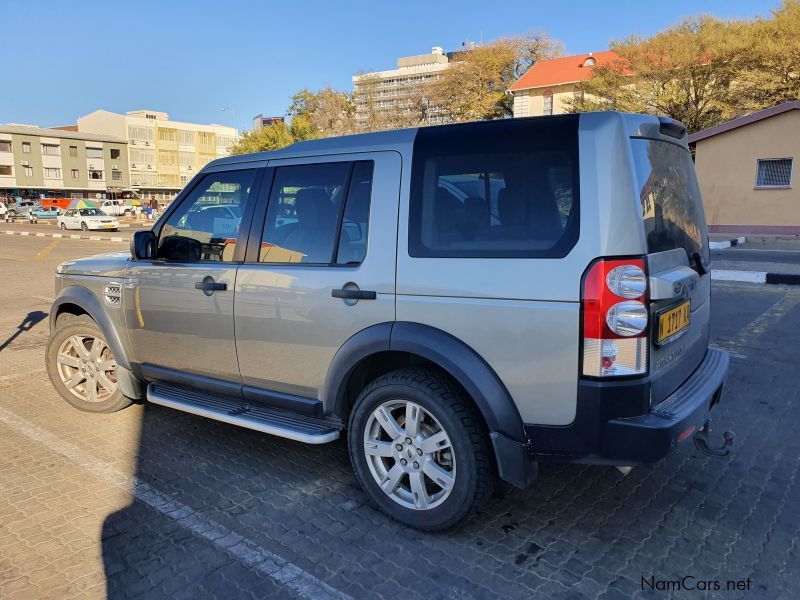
{"x":615,"y":318}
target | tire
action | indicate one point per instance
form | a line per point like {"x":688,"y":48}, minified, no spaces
{"x":467,"y":463}
{"x":64,"y":226}
{"x":67,"y":364}
{"x":84,"y":227}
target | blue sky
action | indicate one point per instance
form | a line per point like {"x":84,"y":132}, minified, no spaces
{"x":64,"y":59}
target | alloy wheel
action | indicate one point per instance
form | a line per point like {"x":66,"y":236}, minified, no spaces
{"x":87,"y":368}
{"x":409,"y":454}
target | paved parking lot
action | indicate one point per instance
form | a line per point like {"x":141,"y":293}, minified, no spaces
{"x":151,"y":502}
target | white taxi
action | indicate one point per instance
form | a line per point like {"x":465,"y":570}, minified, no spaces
{"x":87,"y":219}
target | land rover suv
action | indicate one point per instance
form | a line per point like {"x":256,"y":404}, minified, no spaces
{"x":465,"y":301}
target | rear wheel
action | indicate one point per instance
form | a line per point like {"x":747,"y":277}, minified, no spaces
{"x":82,"y":367}
{"x":419,"y":451}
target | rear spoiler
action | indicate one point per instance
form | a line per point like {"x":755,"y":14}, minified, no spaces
{"x":671,"y":128}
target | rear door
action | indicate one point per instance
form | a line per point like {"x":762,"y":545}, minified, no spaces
{"x":678,"y":261}
{"x":326,"y":236}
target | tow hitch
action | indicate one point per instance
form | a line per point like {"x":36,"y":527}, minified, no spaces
{"x":701,"y":442}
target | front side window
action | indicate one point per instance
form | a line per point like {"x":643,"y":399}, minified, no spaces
{"x":774,"y":173}
{"x":318,"y":214}
{"x":206,"y":224}
{"x":495,"y":190}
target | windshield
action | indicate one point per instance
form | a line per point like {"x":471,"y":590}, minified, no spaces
{"x":92,"y":212}
{"x":672,"y":210}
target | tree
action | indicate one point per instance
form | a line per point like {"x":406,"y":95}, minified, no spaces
{"x":271,"y":137}
{"x":770,"y":60}
{"x":475,"y":85}
{"x":323,"y":113}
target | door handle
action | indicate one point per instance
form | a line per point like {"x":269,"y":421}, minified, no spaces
{"x":347,"y":294}
{"x":209,"y":285}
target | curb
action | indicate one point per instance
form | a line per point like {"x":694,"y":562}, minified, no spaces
{"x":726,"y":243}
{"x":755,"y":277}
{"x":70,"y":236}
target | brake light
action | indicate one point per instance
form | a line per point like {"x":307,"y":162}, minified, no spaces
{"x":615,"y":318}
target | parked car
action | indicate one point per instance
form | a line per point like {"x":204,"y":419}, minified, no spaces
{"x":45,"y":212}
{"x":87,"y":219}
{"x":116,"y":208}
{"x":465,"y":300}
{"x":21,"y":210}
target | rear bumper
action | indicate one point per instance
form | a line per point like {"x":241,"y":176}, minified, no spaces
{"x":597,"y":437}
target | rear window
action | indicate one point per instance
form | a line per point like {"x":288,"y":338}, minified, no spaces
{"x":672,"y":210}
{"x":504,"y":189}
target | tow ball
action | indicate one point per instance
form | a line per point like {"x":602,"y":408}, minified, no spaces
{"x":701,"y":442}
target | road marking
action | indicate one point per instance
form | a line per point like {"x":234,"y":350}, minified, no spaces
{"x":10,"y":257}
{"x":732,"y":275}
{"x":45,"y":252}
{"x":282,"y":571}
{"x":45,"y":298}
{"x":759,"y":325}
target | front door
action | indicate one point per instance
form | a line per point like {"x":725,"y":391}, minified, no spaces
{"x":179,"y":307}
{"x":329,"y":236}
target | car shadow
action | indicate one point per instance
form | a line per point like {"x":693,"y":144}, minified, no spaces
{"x":28,"y":323}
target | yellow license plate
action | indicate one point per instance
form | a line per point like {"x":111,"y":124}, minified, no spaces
{"x":673,"y":321}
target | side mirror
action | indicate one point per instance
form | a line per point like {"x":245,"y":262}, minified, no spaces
{"x":143,"y":245}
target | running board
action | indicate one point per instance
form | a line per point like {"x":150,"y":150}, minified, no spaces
{"x":238,"y":412}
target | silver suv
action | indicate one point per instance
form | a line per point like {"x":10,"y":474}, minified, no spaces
{"x":465,"y":300}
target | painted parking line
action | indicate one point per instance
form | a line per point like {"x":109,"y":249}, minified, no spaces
{"x":45,"y":252}
{"x":299,"y":581}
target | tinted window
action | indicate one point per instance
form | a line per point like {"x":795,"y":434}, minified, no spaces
{"x":671,"y":207}
{"x":303,"y":213}
{"x":355,"y":223}
{"x":206,"y":224}
{"x":500,"y":189}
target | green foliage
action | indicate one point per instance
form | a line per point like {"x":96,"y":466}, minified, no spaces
{"x":324,"y":113}
{"x":271,"y":137}
{"x":702,"y":71}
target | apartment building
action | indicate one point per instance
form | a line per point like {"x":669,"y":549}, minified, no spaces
{"x":37,"y":163}
{"x":164,"y":154}
{"x":390,"y":93}
{"x":547,"y":86}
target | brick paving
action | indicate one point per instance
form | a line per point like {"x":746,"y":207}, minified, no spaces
{"x":150,"y":502}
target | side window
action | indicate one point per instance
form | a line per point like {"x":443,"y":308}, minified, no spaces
{"x":206,"y":224}
{"x":495,"y":190}
{"x":305,"y":213}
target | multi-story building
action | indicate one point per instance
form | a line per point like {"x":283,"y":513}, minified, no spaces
{"x":39,"y":163}
{"x":393,"y":93}
{"x":164,"y":154}
{"x":260,"y":121}
{"x":545,"y":88}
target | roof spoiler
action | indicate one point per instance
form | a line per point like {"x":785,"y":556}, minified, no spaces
{"x":671,"y":128}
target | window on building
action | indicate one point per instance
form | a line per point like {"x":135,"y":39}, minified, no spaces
{"x":94,"y":152}
{"x":116,"y":175}
{"x":95,"y":174}
{"x":143,"y":134}
{"x":51,"y":150}
{"x":186,"y":137}
{"x":75,"y":173}
{"x":26,"y":147}
{"x":5,"y":146}
{"x":206,"y":224}
{"x":305,"y":214}
{"x":6,"y":170}
{"x":167,"y":135}
{"x":114,"y":153}
{"x":28,"y":171}
{"x":774,"y":173}
{"x":547,"y":103}
{"x":589,"y":62}
{"x":73,"y":151}
{"x":50,"y":173}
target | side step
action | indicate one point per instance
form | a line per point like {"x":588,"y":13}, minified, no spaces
{"x":238,"y":412}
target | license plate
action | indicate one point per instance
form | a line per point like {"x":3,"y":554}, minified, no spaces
{"x":673,"y":321}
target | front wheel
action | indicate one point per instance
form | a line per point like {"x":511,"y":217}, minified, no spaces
{"x":419,"y":451}
{"x":82,"y":367}
{"x":63,"y":226}
{"x":84,"y":227}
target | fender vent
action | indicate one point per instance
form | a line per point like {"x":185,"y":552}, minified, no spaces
{"x":113,"y":294}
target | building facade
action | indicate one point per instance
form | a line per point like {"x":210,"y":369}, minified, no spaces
{"x":745,"y":168}
{"x":44,"y":163}
{"x":389,"y":94}
{"x":164,"y":154}
{"x":547,"y":87}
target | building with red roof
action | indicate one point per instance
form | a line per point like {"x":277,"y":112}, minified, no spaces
{"x":545,"y":87}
